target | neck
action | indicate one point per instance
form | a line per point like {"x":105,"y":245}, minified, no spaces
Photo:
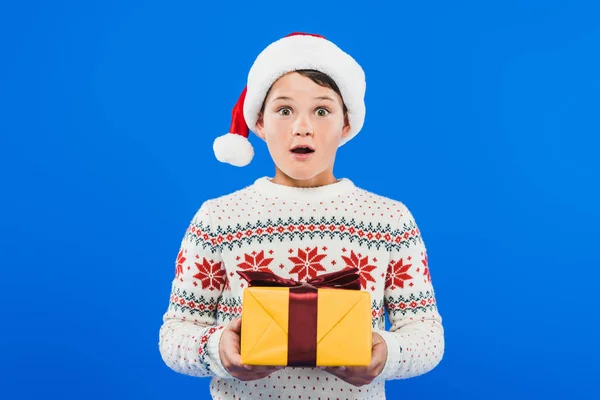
{"x":322,"y":179}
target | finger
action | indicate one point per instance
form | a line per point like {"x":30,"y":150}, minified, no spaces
{"x":357,"y":376}
{"x":254,"y":377}
{"x":260,"y":369}
{"x":236,"y":361}
{"x":262,"y":373}
{"x":270,"y":368}
{"x":233,"y":360}
{"x":254,"y":374}
{"x":337,"y":368}
{"x":378,"y":357}
{"x":236,"y":325}
{"x":337,"y":371}
{"x":352,"y":371}
{"x":377,"y":339}
{"x":233,"y":347}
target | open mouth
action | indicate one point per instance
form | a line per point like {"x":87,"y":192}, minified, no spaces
{"x":302,"y":150}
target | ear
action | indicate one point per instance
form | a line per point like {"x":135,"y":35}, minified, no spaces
{"x":346,"y":128}
{"x":260,"y":128}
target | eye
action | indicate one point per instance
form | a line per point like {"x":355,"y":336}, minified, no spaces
{"x":322,"y":112}
{"x":285,"y":111}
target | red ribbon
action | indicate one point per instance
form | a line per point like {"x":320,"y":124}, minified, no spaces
{"x":302,"y":318}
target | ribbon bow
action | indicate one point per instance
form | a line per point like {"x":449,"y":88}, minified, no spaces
{"x":345,"y":279}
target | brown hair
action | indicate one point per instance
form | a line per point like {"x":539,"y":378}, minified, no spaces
{"x":320,"y":79}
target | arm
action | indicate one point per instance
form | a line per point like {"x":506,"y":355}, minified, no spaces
{"x":415,"y":341}
{"x":189,"y":336}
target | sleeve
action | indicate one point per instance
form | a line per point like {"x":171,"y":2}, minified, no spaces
{"x":189,"y":335}
{"x":415,"y":340}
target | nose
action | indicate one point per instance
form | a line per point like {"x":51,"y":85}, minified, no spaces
{"x":302,"y":126}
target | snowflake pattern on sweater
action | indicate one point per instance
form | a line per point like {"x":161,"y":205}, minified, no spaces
{"x":300,"y":233}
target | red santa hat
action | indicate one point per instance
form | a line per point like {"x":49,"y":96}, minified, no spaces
{"x":293,"y":52}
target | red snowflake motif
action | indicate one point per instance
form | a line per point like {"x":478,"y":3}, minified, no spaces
{"x":397,"y":274}
{"x":210,"y":274}
{"x":256,"y":262}
{"x":363,"y":266}
{"x":179,"y":265}
{"x":426,"y":273}
{"x":307,"y":263}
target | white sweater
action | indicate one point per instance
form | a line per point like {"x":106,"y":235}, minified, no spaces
{"x":299,"y":233}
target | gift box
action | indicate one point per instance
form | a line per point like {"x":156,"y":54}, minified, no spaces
{"x":325,"y":321}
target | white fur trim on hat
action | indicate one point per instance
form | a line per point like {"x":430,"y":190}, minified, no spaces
{"x":307,"y":52}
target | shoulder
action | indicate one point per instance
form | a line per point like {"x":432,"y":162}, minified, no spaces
{"x":227,"y":199}
{"x":210,"y":209}
{"x":404,"y":227}
{"x":391,"y":207}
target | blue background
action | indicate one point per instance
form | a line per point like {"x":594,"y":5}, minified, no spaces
{"x":482,"y":118}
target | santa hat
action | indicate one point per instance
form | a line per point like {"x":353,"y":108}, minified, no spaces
{"x":294,"y":52}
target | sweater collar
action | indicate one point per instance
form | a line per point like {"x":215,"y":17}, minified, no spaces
{"x":267,"y":188}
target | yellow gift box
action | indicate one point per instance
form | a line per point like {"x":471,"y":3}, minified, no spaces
{"x":276,"y":332}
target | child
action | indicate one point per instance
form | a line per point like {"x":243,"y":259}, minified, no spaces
{"x":305,"y":98}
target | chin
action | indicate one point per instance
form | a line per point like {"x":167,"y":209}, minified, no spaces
{"x":302,"y":174}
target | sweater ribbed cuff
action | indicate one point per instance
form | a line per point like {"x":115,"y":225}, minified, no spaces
{"x":212,"y":347}
{"x":394,"y":355}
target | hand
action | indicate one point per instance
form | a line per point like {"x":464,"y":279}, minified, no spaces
{"x":229,"y":351}
{"x":359,"y":376}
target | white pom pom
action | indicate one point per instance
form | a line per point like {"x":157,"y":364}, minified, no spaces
{"x":233,"y":149}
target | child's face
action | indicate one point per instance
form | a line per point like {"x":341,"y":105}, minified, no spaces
{"x":300,"y":112}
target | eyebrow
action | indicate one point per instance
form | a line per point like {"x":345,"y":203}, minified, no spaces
{"x":324,"y":98}
{"x":281,"y":98}
{"x":289,"y":98}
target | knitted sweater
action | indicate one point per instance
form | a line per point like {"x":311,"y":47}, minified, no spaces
{"x":300,"y":233}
